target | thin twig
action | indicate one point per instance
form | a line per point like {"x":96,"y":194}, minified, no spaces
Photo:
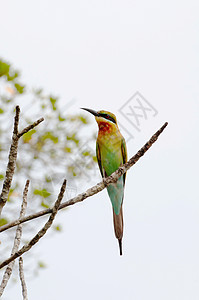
{"x":16,"y":122}
{"x":29,"y":127}
{"x":41,"y":232}
{"x":22,"y":278}
{"x":17,"y":240}
{"x":13,"y":156}
{"x":95,"y":189}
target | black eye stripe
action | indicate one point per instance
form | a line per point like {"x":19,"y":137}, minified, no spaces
{"x":107,"y":117}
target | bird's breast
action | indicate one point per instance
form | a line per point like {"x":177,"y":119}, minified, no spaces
{"x":111,"y":155}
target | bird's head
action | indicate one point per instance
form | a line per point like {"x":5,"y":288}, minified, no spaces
{"x":105,"y":119}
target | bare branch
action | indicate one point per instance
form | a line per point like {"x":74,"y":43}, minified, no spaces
{"x":28,"y":128}
{"x":13,"y":157}
{"x":22,"y":278}
{"x":95,"y":189}
{"x":41,"y":232}
{"x":17,"y":240}
{"x":16,"y":122}
{"x":11,"y":162}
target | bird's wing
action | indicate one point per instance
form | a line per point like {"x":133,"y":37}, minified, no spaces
{"x":124,"y":155}
{"x":98,"y":154}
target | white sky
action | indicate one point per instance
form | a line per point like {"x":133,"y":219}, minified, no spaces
{"x":100,"y":53}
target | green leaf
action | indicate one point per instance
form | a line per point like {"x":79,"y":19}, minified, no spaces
{"x":57,"y":227}
{"x":73,"y":138}
{"x":41,"y":264}
{"x":71,"y":169}
{"x":94,"y":158}
{"x":49,"y":135}
{"x":3,"y":221}
{"x":61,"y":119}
{"x":19,"y":88}
{"x":4,"y":68}
{"x":28,"y":136}
{"x":86,"y":153}
{"x":43,"y":193}
{"x":83,"y":120}
{"x":12,"y":76}
{"x":48,"y":178}
{"x":43,"y":204}
{"x":67,"y":149}
{"x":1,"y":176}
{"x":1,"y":111}
{"x":10,"y":194}
{"x":53,"y":102}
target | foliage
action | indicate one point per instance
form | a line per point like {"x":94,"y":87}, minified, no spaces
{"x":54,"y":150}
{"x":48,"y":152}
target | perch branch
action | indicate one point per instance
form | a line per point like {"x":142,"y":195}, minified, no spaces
{"x":17,"y":240}
{"x":22,"y":278}
{"x":95,"y":189}
{"x":13,"y":157}
{"x":41,"y":232}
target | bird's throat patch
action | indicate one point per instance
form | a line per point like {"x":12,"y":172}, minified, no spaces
{"x":104,"y":127}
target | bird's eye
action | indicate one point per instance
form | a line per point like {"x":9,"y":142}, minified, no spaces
{"x":108,"y":117}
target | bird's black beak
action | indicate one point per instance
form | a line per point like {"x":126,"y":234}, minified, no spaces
{"x":93,"y":112}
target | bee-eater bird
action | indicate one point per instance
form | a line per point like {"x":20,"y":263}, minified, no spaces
{"x":111,"y":154}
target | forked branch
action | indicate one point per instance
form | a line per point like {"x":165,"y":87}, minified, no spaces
{"x":13,"y":156}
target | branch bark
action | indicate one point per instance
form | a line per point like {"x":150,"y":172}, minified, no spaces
{"x":11,"y":162}
{"x":22,"y":278}
{"x":13,"y":157}
{"x":17,"y":240}
{"x":95,"y":189}
{"x":41,"y":232}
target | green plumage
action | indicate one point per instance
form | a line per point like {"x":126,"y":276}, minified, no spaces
{"x":111,"y":154}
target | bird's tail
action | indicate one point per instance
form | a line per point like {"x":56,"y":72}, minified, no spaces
{"x":118,"y":226}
